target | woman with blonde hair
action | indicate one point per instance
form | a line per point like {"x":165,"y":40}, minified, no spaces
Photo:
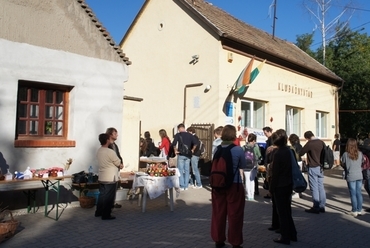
{"x":351,"y":162}
{"x":165,"y":142}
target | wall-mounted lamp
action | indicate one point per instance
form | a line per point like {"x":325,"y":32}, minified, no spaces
{"x":208,"y":88}
{"x":195,"y":59}
{"x":230,"y":57}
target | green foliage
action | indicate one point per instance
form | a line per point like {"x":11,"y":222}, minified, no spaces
{"x":350,"y":60}
{"x":348,"y":56}
{"x":304,"y":42}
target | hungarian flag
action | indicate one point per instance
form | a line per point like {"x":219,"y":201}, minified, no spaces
{"x":244,"y":76}
{"x":249,"y":78}
{"x":240,"y":87}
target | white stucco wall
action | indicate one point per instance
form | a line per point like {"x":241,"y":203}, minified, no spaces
{"x":95,"y":102}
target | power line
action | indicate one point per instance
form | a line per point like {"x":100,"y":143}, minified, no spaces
{"x":353,"y":8}
{"x":332,"y":38}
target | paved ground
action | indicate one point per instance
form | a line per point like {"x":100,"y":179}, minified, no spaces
{"x":189,"y":225}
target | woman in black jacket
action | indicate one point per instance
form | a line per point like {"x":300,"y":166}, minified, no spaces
{"x":270,"y":152}
{"x":151,"y":149}
{"x":281,"y":188}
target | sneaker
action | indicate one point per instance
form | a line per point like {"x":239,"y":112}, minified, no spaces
{"x":186,"y":189}
{"x":354,"y":214}
{"x":198,"y":187}
{"x":359,"y":213}
{"x":181,"y":189}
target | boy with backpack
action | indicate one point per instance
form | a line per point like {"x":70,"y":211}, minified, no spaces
{"x":252,"y":154}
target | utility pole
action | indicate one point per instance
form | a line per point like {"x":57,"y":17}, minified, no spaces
{"x":273,"y":23}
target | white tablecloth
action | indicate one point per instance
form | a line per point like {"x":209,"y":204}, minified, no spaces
{"x":156,"y":186}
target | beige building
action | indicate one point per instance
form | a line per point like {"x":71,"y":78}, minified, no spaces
{"x":189,"y":53}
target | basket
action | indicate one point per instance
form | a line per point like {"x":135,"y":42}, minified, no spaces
{"x":8,"y":227}
{"x":87,"y":201}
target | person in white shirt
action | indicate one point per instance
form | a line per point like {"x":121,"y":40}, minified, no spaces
{"x":217,"y":133}
{"x":109,"y":163}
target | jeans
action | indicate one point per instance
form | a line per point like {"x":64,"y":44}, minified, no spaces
{"x":356,"y":195}
{"x":191,"y":176}
{"x":316,"y":182}
{"x":194,"y":167}
{"x":183,"y":164}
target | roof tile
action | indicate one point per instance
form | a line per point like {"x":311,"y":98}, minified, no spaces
{"x":234,"y":29}
{"x":104,"y":31}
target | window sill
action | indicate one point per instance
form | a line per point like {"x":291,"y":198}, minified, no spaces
{"x":44,"y":143}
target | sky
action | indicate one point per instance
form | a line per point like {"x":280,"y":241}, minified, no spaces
{"x":292,"y":18}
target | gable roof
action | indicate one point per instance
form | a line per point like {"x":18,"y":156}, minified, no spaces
{"x":104,"y":32}
{"x":237,"y":33}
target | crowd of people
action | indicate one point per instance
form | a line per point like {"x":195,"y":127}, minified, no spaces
{"x":278,"y":156}
{"x":228,"y":204}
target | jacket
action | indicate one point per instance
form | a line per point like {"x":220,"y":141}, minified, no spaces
{"x":109,"y":163}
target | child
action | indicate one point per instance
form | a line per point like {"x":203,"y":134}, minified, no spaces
{"x":252,"y":154}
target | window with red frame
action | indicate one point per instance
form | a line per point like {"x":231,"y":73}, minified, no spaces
{"x":41,"y":110}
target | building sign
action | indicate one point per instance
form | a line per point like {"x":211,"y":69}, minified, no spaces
{"x":294,"y":90}
{"x":229,"y":120}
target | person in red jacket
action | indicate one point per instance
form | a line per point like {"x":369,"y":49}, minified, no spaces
{"x":236,"y":141}
{"x":165,"y":142}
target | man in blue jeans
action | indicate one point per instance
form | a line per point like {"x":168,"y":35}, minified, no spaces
{"x":313,"y":148}
{"x":195,"y":159}
{"x":184,"y":145}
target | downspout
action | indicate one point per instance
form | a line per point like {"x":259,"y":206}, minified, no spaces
{"x":336,"y":112}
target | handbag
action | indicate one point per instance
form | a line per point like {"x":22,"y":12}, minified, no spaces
{"x":299,"y":182}
{"x":80,"y":177}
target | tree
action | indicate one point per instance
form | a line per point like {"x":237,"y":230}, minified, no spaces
{"x":327,"y":28}
{"x":349,"y":57}
{"x":304,"y":42}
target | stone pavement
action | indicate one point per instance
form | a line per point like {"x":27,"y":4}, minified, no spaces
{"x":189,"y":225}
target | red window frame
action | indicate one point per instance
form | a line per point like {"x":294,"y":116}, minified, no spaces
{"x":42,"y":115}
